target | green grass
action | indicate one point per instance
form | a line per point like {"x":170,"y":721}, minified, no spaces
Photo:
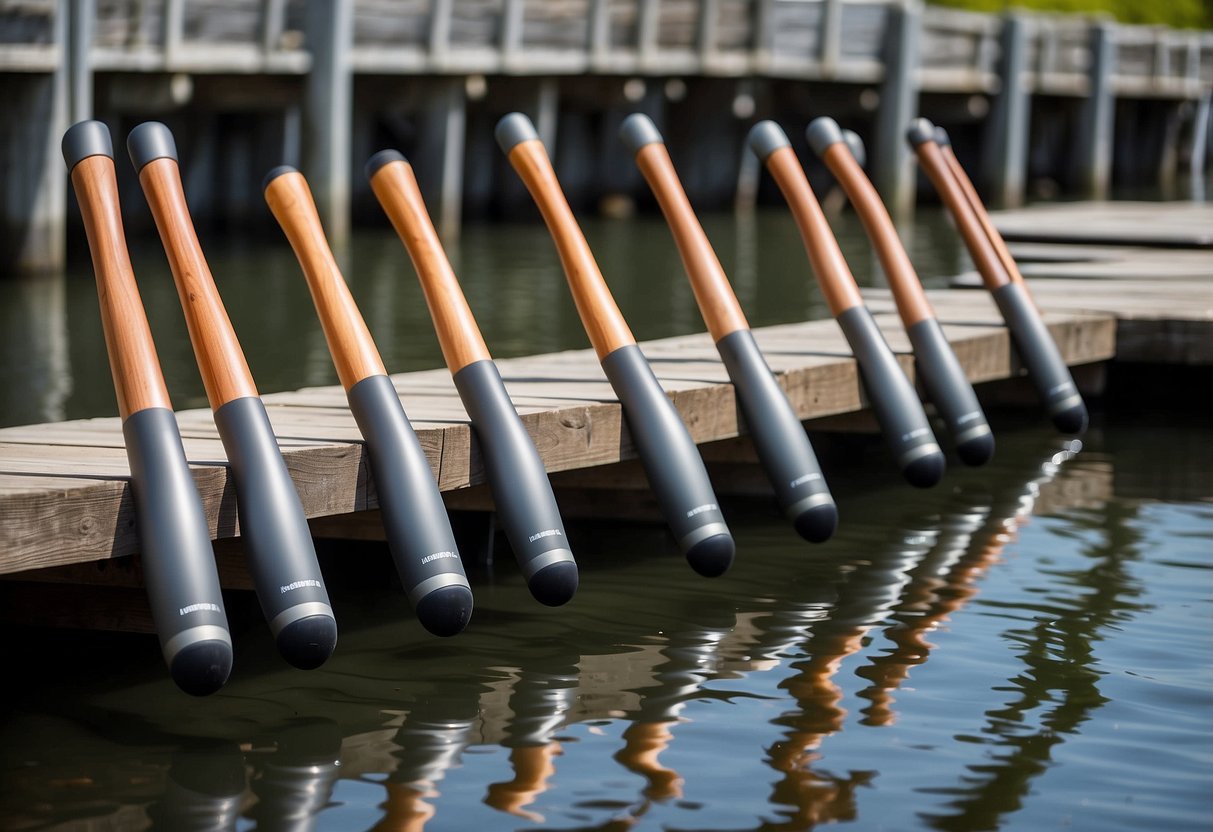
{"x":1183,"y":14}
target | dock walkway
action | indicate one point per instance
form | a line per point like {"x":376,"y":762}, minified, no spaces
{"x":64,"y":495}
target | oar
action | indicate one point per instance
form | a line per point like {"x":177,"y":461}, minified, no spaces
{"x":418,"y":529}
{"x":979,"y":209}
{"x":174,"y":541}
{"x":890,"y":393}
{"x":945,"y":381}
{"x":521,"y":491}
{"x":281,"y":556}
{"x":1036,"y":347}
{"x":779,"y":437}
{"x":669,"y":456}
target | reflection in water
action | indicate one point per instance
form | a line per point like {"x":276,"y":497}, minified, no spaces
{"x":204,"y":790}
{"x":37,"y":381}
{"x":617,"y":711}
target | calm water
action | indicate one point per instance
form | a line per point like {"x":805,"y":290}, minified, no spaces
{"x":1026,"y":646}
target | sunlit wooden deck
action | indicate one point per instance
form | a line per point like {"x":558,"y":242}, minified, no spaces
{"x":63,"y":487}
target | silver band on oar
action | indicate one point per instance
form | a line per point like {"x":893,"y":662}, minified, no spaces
{"x":972,"y":433}
{"x":440,"y":581}
{"x":918,"y":452}
{"x":1073,"y":400}
{"x":298,"y":611}
{"x":544,"y":559}
{"x":822,"y":498}
{"x":701,"y":533}
{"x":183,"y":639}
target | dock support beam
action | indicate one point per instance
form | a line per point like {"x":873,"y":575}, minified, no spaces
{"x":1093,"y":154}
{"x":440,"y":153}
{"x":893,"y":171}
{"x":327,"y":114}
{"x":1008,"y":128}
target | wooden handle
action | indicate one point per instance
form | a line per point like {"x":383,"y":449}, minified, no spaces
{"x":833,"y":275}
{"x":225,"y":374}
{"x":980,"y":249}
{"x":395,"y":186}
{"x":983,"y":218}
{"x":717,"y":302}
{"x":350,"y":342}
{"x":603,"y":321}
{"x":903,"y":280}
{"x":138,"y":381}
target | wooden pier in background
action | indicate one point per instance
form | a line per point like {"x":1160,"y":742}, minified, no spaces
{"x":64,"y":487}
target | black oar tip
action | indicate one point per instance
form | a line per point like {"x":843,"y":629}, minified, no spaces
{"x":638,"y":130}
{"x":817,"y":524}
{"x":712,"y":556}
{"x":926,"y":470}
{"x":513,"y":130}
{"x":765,"y":138}
{"x":307,"y":642}
{"x":148,"y":142}
{"x":381,"y":159}
{"x":1071,"y":420}
{"x":554,"y":585}
{"x":275,"y":173}
{"x":920,"y":132}
{"x":84,"y":139}
{"x":976,"y":451}
{"x":446,"y":611}
{"x":822,"y":133}
{"x":202,"y":668}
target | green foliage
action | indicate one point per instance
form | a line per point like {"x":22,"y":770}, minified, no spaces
{"x":1182,"y":14}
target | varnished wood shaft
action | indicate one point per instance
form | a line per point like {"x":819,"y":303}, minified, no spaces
{"x":980,"y":249}
{"x":717,"y":301}
{"x":350,"y":343}
{"x":983,"y":217}
{"x":138,"y":381}
{"x":396,"y":188}
{"x":833,"y":274}
{"x":903,"y":280}
{"x":225,"y":374}
{"x":600,"y":316}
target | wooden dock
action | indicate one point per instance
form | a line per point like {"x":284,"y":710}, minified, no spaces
{"x":64,"y":495}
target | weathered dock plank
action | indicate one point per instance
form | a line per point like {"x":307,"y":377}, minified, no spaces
{"x":64,"y":495}
{"x":1183,"y":224}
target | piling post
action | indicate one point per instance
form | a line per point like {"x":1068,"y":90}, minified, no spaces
{"x":327,"y":114}
{"x":1093,"y":153}
{"x":443,"y":138}
{"x":893,"y":171}
{"x":1008,"y":128}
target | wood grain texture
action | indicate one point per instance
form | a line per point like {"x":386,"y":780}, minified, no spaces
{"x":138,"y":381}
{"x":833,"y":274}
{"x":350,"y":343}
{"x":931,"y":159}
{"x":983,"y":217}
{"x":225,"y":374}
{"x":396,"y":188}
{"x":713,"y":293}
{"x":603,"y":322}
{"x":899,"y":272}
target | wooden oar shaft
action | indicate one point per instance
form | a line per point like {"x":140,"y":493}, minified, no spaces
{"x":350,"y":343}
{"x":138,"y":380}
{"x":833,"y":275}
{"x":903,"y":280}
{"x":603,"y":322}
{"x":717,"y":302}
{"x":225,"y":373}
{"x":396,"y":188}
{"x":931,"y":158}
{"x":983,"y":217}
